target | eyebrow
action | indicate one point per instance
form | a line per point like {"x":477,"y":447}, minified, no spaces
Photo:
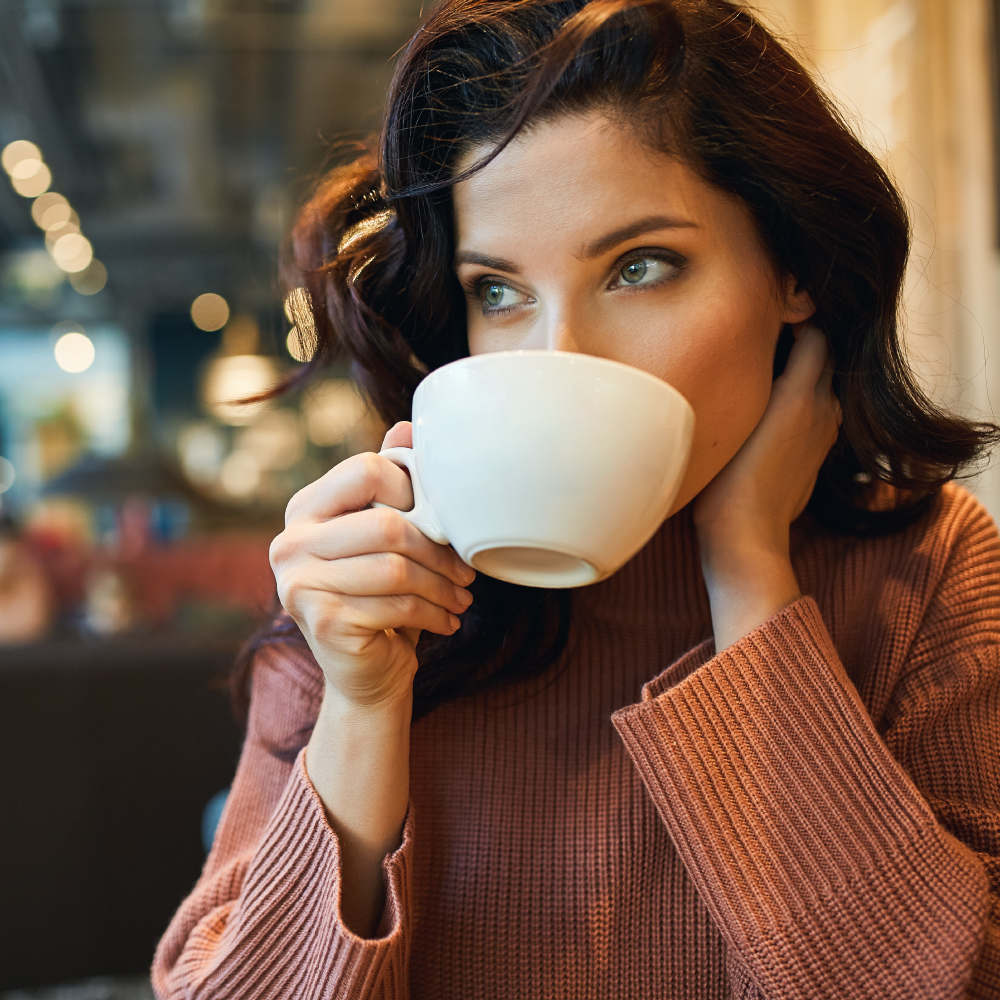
{"x":484,"y":260}
{"x":651,"y":223}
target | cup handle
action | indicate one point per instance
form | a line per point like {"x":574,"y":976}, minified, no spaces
{"x":421,"y":516}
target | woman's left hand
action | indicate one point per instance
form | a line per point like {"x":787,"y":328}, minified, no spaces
{"x":743,"y":516}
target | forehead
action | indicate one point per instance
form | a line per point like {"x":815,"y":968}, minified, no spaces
{"x":564,"y":179}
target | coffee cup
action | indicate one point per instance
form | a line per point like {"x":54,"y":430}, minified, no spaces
{"x":544,"y":468}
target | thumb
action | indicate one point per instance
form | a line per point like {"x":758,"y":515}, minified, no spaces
{"x":399,"y":436}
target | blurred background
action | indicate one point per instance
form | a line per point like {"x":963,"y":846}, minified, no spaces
{"x":153,"y":154}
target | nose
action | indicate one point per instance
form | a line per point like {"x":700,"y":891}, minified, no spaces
{"x":562,"y":339}
{"x":563,"y":332}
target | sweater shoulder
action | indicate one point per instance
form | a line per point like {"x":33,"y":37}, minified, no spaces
{"x":957,"y":526}
{"x":953,"y":543}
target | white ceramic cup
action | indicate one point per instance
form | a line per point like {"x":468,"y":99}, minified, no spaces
{"x":544,"y":468}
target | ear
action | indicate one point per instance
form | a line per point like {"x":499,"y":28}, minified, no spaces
{"x":798,"y":302}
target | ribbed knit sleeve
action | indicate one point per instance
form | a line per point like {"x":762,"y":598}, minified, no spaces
{"x":264,"y":921}
{"x":837,"y":861}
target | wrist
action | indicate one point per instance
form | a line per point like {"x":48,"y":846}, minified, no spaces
{"x":358,"y":761}
{"x":372,"y":711}
{"x":747,"y":585}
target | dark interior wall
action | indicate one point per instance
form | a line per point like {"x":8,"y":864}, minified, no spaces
{"x":110,"y":753}
{"x":177,"y":350}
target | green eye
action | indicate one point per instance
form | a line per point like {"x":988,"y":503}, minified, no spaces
{"x":494,"y":294}
{"x":634,"y":273}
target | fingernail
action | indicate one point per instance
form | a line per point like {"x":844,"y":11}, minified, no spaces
{"x":456,"y":623}
{"x":463,"y":596}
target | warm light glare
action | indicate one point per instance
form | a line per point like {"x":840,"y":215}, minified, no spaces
{"x":296,"y":348}
{"x":201,"y":446}
{"x":209,"y":312}
{"x":53,"y":235}
{"x":50,"y":209}
{"x":240,"y":474}
{"x":333,"y":409}
{"x":15,"y":152}
{"x":26,"y":168}
{"x":298,"y":309}
{"x":38,"y":183}
{"x":91,"y":279}
{"x":74,"y":352}
{"x":301,"y":341}
{"x":230,"y":379}
{"x":275,"y":440}
{"x":72,"y":252}
{"x":7,"y":474}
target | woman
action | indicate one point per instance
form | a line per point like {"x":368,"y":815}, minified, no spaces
{"x":759,"y":761}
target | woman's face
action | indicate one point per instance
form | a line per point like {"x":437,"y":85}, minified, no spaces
{"x":578,"y":237}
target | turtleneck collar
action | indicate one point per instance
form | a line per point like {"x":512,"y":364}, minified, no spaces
{"x":661,"y":582}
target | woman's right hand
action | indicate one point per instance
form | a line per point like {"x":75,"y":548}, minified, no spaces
{"x":361,"y":582}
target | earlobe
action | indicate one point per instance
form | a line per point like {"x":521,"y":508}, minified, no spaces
{"x":798,"y":302}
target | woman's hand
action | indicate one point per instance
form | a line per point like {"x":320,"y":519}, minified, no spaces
{"x":743,"y":515}
{"x":363,"y":582}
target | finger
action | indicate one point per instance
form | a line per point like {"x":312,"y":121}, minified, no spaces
{"x":808,"y":356}
{"x":386,"y":574}
{"x":825,"y":384}
{"x":400,"y":435}
{"x":367,"y":532}
{"x":375,"y":614}
{"x":352,"y":485}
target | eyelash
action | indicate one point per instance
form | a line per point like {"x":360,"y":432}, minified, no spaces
{"x":675,"y":260}
{"x":667,"y":257}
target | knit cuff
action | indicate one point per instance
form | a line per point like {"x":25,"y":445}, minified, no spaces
{"x":292,"y":896}
{"x":801,"y":832}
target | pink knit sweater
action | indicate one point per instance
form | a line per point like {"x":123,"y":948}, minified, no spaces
{"x":814,"y":812}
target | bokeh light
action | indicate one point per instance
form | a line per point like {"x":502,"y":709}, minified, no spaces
{"x":295,"y":346}
{"x":37,"y":183}
{"x":333,"y":409}
{"x":7,"y":474}
{"x":209,"y":312}
{"x":275,"y":440}
{"x":200,"y":446}
{"x":298,"y":308}
{"x":301,"y":341}
{"x":72,"y":252}
{"x":59,"y":230}
{"x":15,"y":152}
{"x":91,"y":279}
{"x":50,"y":209}
{"x":232,"y":378}
{"x":240,"y":474}
{"x":28,"y":167}
{"x":74,"y":352}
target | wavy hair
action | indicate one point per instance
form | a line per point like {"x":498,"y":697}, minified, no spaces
{"x":701,"y":80}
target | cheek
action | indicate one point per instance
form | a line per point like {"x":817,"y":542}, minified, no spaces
{"x":725,"y":373}
{"x":728,"y":402}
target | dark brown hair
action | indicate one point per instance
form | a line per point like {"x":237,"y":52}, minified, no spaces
{"x":702,"y":80}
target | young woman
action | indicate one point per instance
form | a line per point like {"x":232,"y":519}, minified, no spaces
{"x":763,"y":759}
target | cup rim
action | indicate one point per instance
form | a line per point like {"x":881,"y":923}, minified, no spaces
{"x":586,"y":359}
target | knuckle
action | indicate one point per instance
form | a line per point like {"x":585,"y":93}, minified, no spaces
{"x":370,"y":465}
{"x":279,"y":551}
{"x":395,"y":569}
{"x":293,"y":506}
{"x":408,"y":604}
{"x":391,"y":527}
